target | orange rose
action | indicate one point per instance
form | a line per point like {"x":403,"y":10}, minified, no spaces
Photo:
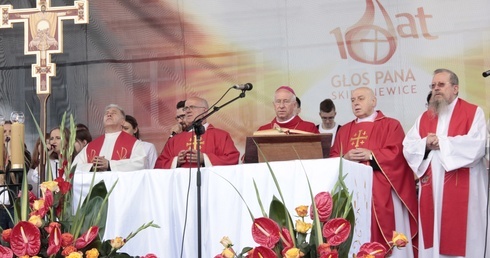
{"x":302,"y":227}
{"x":399,"y":239}
{"x":75,"y":255}
{"x":117,"y":242}
{"x":6,"y":235}
{"x":68,"y":250}
{"x":228,"y":253}
{"x":302,"y":211}
{"x":92,"y":253}
{"x":293,"y":253}
{"x":66,"y":239}
{"x":36,"y":220}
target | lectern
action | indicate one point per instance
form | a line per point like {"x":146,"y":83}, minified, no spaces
{"x":287,"y":147}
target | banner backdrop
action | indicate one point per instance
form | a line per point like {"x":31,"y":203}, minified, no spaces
{"x":146,"y":55}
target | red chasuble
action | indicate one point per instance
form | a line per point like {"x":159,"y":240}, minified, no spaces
{"x":122,"y":148}
{"x":384,"y":138}
{"x":454,"y":215}
{"x":215,"y":143}
{"x":296,"y":123}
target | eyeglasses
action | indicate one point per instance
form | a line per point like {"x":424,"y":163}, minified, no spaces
{"x":439,"y":84}
{"x":191,"y":108}
{"x":328,"y":117}
{"x":284,"y":101}
{"x":179,"y":117}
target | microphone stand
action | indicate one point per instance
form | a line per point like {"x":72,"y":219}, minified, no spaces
{"x":200,"y":130}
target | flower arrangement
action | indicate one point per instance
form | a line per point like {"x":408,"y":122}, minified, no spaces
{"x":47,"y":227}
{"x":327,"y":235}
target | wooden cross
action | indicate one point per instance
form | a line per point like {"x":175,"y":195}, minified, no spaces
{"x":43,"y":36}
{"x":358,"y":138}
{"x":193,"y":142}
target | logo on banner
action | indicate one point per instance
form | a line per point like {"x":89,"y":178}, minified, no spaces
{"x":371,"y":43}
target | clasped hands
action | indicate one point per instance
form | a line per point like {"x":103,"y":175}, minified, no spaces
{"x":188,"y":156}
{"x":432,"y":142}
{"x":358,"y":154}
{"x":100,"y":163}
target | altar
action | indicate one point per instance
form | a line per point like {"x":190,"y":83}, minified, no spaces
{"x":168,"y":198}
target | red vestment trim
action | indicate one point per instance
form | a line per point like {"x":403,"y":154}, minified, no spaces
{"x":122,"y":148}
{"x":384,"y":138}
{"x":454,"y":214}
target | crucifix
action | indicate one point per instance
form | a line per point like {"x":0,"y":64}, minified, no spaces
{"x":43,"y":36}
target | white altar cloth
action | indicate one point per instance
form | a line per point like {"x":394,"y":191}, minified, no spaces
{"x":169,"y":198}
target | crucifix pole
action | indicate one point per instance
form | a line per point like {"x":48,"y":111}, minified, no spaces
{"x":43,"y":99}
{"x":43,"y":36}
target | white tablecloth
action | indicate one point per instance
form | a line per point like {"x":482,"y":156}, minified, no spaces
{"x":168,"y":197}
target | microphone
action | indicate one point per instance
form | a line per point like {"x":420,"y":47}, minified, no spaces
{"x":246,"y":86}
{"x":485,"y":74}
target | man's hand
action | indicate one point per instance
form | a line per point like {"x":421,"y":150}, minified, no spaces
{"x":359,"y":154}
{"x":191,"y":156}
{"x":188,"y":156}
{"x":177,"y":128}
{"x":100,"y":163}
{"x":432,"y":142}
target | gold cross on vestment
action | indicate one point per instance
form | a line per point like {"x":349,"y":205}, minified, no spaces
{"x":193,"y":142}
{"x":43,"y":34}
{"x":359,"y":137}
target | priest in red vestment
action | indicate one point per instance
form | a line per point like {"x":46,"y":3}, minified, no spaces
{"x":115,"y":150}
{"x":285,"y":106}
{"x":217,"y":146}
{"x":445,"y":149}
{"x":376,"y":140}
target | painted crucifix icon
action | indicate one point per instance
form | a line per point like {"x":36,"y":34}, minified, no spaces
{"x":43,"y":34}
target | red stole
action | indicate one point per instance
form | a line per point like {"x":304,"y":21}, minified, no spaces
{"x":454,"y":216}
{"x":122,"y":148}
{"x":383,"y":215}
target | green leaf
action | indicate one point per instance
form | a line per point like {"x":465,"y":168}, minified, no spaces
{"x":279,"y":213}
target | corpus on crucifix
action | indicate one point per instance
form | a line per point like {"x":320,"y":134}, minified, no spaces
{"x":43,"y":36}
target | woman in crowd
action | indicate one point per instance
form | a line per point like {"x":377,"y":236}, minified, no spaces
{"x":82,"y":138}
{"x":54,"y":146}
{"x":131,"y":127}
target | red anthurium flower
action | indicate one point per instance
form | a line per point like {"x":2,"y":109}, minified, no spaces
{"x":63,"y":185}
{"x":262,"y":252}
{"x":372,"y":249}
{"x":324,"y":205}
{"x":54,"y":241}
{"x":265,"y":232}
{"x":6,"y":252}
{"x":25,"y":239}
{"x":87,"y":237}
{"x":287,"y":241}
{"x":324,"y":249}
{"x":150,"y":255}
{"x":336,"y":231}
{"x":52,"y":226}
